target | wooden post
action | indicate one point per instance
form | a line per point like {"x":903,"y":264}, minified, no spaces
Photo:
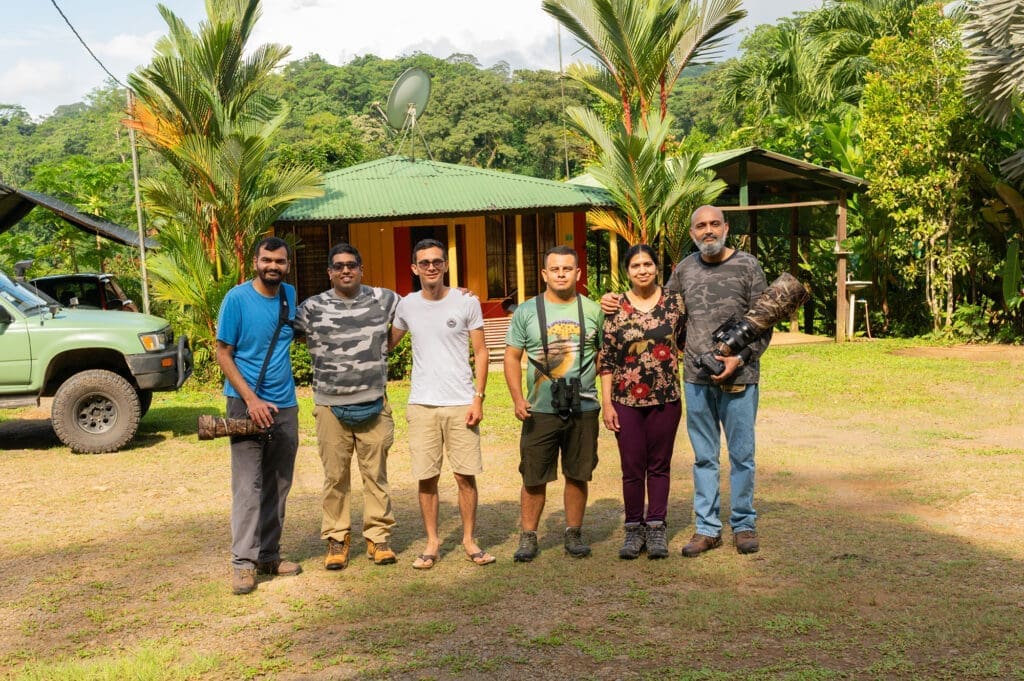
{"x":520,"y":266}
{"x":453,"y":256}
{"x":842,"y":304}
{"x":744,"y":197}
{"x":794,"y":243}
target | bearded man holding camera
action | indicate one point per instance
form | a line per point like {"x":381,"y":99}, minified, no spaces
{"x":560,"y":332}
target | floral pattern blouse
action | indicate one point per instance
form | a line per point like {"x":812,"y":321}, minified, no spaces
{"x":641,"y":351}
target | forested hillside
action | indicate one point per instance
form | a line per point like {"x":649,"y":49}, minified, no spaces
{"x":897,"y":93}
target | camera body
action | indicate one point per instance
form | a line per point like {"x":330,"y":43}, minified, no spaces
{"x":565,"y":396}
{"x":729,"y":339}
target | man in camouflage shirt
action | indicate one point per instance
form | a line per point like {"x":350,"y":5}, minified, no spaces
{"x":717,"y":283}
{"x":346,"y":330}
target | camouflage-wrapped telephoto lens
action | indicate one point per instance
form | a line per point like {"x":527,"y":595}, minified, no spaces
{"x":777,"y":302}
{"x":210,"y":427}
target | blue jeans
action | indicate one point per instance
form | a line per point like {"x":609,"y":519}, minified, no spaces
{"x":709,"y":412}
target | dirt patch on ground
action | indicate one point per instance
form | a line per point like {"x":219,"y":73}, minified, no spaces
{"x":873,"y":528}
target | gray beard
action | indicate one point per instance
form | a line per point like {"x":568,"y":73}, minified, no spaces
{"x":712,"y":248}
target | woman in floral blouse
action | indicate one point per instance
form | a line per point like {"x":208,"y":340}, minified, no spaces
{"x":641,"y":397}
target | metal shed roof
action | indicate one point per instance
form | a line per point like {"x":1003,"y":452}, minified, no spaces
{"x":401,"y":187}
{"x":769,"y":167}
{"x":15,"y":204}
{"x":771,"y":171}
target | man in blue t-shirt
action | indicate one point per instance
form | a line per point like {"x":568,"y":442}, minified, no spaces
{"x":254,"y":336}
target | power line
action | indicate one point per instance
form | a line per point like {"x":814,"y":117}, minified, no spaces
{"x":81,"y":40}
{"x":135,"y":159}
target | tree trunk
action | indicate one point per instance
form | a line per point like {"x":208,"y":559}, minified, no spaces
{"x":949,"y":277}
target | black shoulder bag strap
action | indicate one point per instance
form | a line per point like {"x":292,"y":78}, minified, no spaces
{"x":543,"y":321}
{"x":282,"y":319}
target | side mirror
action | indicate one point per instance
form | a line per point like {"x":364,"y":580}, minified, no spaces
{"x":5,"y":316}
{"x":20,"y":267}
{"x":115,"y":304}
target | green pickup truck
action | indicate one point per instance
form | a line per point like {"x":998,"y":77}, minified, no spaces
{"x":100,"y":368}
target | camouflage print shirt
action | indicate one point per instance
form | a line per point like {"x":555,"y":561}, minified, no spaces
{"x":348,"y":341}
{"x":712,"y":293}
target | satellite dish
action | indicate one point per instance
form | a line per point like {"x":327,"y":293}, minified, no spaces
{"x":408,"y":99}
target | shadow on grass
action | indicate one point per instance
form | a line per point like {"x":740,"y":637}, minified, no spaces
{"x":158,"y":425}
{"x":27,"y":434}
{"x":167,"y":421}
{"x":832,"y":594}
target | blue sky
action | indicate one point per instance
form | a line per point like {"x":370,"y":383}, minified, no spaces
{"x":42,"y":64}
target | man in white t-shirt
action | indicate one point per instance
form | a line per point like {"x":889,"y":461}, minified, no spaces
{"x":446,"y":400}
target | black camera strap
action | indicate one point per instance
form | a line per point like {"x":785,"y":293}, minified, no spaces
{"x":543,"y":321}
{"x":282,"y":319}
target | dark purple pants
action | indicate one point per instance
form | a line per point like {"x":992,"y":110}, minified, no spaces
{"x":646,"y":437}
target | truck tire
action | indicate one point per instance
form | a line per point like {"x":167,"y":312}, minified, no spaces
{"x":145,"y":400}
{"x":96,"y":411}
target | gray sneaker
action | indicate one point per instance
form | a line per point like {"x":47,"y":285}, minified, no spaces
{"x":633,"y":545}
{"x":528,"y":548}
{"x":574,"y":545}
{"x":657,"y":542}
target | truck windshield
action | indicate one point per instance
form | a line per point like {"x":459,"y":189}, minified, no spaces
{"x":27,"y":302}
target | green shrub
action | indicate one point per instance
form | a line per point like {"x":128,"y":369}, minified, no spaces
{"x":302,"y":364}
{"x":400,"y":360}
{"x":972,"y":323}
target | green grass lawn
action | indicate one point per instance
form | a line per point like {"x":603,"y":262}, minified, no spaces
{"x":889,"y":494}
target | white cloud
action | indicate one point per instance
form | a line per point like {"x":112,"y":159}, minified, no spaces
{"x":137,"y":49}
{"x":32,"y":78}
{"x":122,"y":33}
{"x":523,"y":36}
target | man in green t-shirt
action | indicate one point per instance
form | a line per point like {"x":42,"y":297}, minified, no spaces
{"x":560,"y":411}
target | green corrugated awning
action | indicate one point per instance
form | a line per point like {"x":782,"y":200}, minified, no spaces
{"x":401,"y":187}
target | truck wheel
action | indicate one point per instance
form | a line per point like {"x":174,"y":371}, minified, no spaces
{"x":145,"y":399}
{"x":96,"y":411}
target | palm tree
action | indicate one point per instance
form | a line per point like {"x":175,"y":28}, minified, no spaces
{"x":204,"y":105}
{"x":777,"y":73}
{"x":995,"y":82}
{"x":815,"y":62}
{"x":648,"y":188}
{"x":841,"y":34}
{"x":190,"y":286}
{"x":995,"y":74}
{"x":642,"y":46}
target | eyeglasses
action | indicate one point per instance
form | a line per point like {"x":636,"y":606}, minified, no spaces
{"x":348,"y":265}
{"x":436,"y":263}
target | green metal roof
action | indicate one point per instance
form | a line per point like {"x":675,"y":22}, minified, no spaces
{"x":401,"y":187}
